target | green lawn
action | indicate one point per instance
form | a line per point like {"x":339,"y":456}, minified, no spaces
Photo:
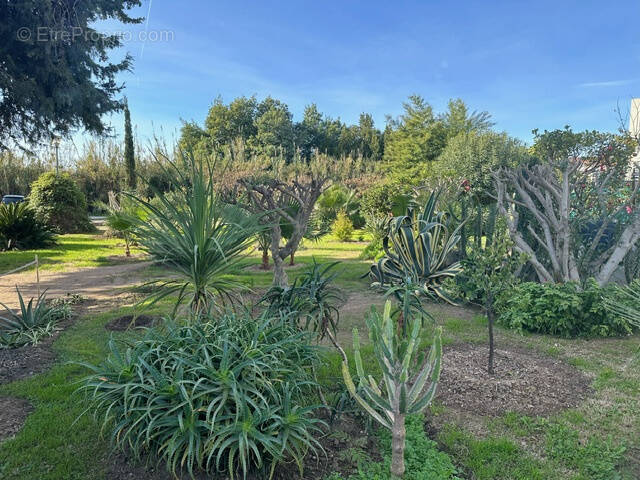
{"x":600,"y":439}
{"x":74,"y":250}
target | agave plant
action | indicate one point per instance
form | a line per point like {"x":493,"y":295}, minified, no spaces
{"x":194,"y":233}
{"x":122,"y":217}
{"x":32,"y":323}
{"x":417,"y":250}
{"x":409,"y":378}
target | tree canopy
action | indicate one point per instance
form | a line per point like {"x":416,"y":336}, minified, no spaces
{"x":55,"y":75}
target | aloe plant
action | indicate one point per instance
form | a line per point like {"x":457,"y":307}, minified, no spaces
{"x":418,"y":249}
{"x":409,"y":378}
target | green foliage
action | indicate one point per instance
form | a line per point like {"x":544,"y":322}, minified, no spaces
{"x":342,"y":228}
{"x":334,"y":200}
{"x":312,"y":299}
{"x":423,"y":459}
{"x":625,"y":302}
{"x":416,"y":139}
{"x":402,"y":365}
{"x":496,"y":458}
{"x":62,"y":78}
{"x":409,"y":377}
{"x":195,"y":234}
{"x":418,"y":250}
{"x":34,"y":321}
{"x":488,"y":272}
{"x":58,"y":202}
{"x":225,"y":394}
{"x":129,"y":157}
{"x":122,"y":217}
{"x":562,"y":309}
{"x":20,"y":229}
{"x":472,"y":155}
{"x":595,"y":460}
{"x":385,"y":199}
{"x":17,"y":172}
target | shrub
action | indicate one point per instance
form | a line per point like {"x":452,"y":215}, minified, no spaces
{"x":34,"y":322}
{"x":342,"y":228}
{"x":20,"y":229}
{"x":562,"y":309}
{"x":59,"y":203}
{"x":224,"y":394}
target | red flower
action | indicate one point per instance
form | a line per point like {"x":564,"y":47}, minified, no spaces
{"x":629,"y":209}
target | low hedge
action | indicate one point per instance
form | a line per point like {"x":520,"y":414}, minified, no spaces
{"x":564,"y":309}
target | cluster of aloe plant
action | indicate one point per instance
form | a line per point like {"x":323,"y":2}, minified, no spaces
{"x":220,"y":394}
{"x":419,"y":247}
{"x":409,"y":377}
{"x":36,"y":320}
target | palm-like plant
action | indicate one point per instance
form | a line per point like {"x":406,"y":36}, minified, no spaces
{"x":121,"y":218}
{"x":196,"y":235}
{"x":417,"y":250}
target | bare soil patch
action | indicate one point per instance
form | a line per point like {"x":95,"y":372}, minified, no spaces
{"x":13,"y":413}
{"x":524,"y":381}
{"x":129,"y":322}
{"x":257,"y":267}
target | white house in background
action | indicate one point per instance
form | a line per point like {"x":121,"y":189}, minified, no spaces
{"x":634,"y":129}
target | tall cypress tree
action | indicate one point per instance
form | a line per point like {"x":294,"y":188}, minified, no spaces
{"x":129,"y":157}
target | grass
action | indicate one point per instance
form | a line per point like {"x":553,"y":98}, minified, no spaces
{"x":597,"y":440}
{"x":74,"y":250}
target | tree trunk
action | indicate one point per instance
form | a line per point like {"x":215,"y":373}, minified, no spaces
{"x":463,"y":229}
{"x":279,"y":275}
{"x":291,"y":261}
{"x":630,"y":235}
{"x":265,"y":259}
{"x":127,"y":250}
{"x":398,"y":438}
{"x":490,"y":316}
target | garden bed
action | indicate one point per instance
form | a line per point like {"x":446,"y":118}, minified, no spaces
{"x":13,"y":413}
{"x":524,"y":381}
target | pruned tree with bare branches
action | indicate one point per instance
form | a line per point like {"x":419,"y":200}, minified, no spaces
{"x":570,"y":209}
{"x":284,"y":193}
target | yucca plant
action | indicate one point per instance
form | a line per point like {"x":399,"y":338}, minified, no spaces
{"x":194,"y":233}
{"x":221,"y":394}
{"x":312,"y":299}
{"x":418,"y":248}
{"x":409,"y":377}
{"x":33,"y":322}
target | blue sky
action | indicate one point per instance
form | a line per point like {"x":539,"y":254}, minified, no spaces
{"x":530,"y":64}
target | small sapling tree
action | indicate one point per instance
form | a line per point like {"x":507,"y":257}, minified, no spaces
{"x":491,"y":271}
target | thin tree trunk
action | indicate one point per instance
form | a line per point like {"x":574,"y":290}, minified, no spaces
{"x":463,"y":230}
{"x":265,"y":259}
{"x":490,"y":316}
{"x":279,"y":275}
{"x":398,"y":438}
{"x":291,"y":261}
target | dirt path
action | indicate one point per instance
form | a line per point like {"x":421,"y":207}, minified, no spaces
{"x":97,"y":283}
